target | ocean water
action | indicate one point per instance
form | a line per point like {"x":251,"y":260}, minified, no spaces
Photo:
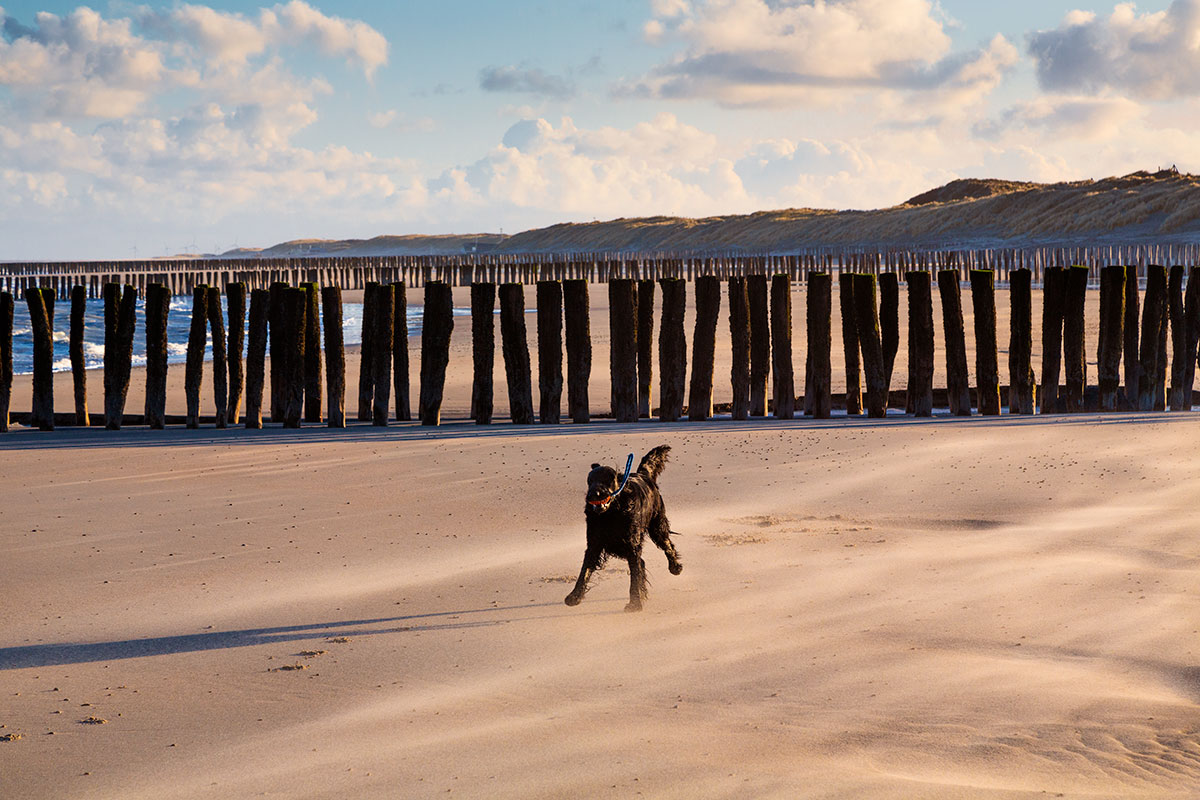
{"x":179,"y":322}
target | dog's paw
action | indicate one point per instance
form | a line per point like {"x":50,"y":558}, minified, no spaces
{"x":633,"y":607}
{"x":573,"y":599}
{"x":675,"y":568}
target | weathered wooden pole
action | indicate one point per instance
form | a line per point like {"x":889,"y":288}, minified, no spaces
{"x":866,"y":322}
{"x":818,"y":322}
{"x":122,"y":360}
{"x":381,"y":353}
{"x":313,"y":399}
{"x":987,"y":359}
{"x":645,"y":345}
{"x":623,"y":335}
{"x":889,"y":320}
{"x":112,"y":313}
{"x":1160,"y":364}
{"x":704,"y":347}
{"x":437,"y":324}
{"x":850,"y":346}
{"x":1054,"y":291}
{"x":672,"y":350}
{"x":483,"y":350}
{"x":1133,"y":375}
{"x":919,"y":395}
{"x":783,"y":385}
{"x":235,"y":302}
{"x":1073,"y":337}
{"x":295,"y":311}
{"x":78,"y":363}
{"x":366,"y":363}
{"x":516,"y":353}
{"x":1178,"y":340}
{"x":220,"y":361}
{"x":193,"y":370}
{"x":1112,"y":322}
{"x":1022,"y":391}
{"x":335,"y":355}
{"x":739,"y":335}
{"x":958,"y":390}
{"x":256,"y":355}
{"x":577,"y":329}
{"x":1191,"y":314}
{"x":278,"y":388}
{"x":549,"y":337}
{"x":760,"y":343}
{"x":1152,"y":316}
{"x":7,"y":310}
{"x":400,"y":383}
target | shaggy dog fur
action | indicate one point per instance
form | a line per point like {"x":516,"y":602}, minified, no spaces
{"x":617,"y":526}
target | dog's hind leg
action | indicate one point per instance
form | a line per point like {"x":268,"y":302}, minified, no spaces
{"x":660,"y":534}
{"x":591,"y":562}
{"x":637,"y":583}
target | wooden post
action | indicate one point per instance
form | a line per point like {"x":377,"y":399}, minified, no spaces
{"x":220,"y":361}
{"x":193,"y":370}
{"x":235,"y":302}
{"x":278,"y":389}
{"x":739,"y":334}
{"x":920,"y":343}
{"x":850,"y":343}
{"x":1073,"y":339}
{"x":760,"y":343}
{"x":400,"y":352}
{"x":1022,"y":391}
{"x":1160,"y":364}
{"x":1178,"y":340}
{"x":645,"y":346}
{"x":577,"y":328}
{"x":623,"y":335}
{"x":783,"y":387}
{"x":818,"y":322}
{"x":1131,"y":350}
{"x":122,"y":360}
{"x":112,"y":313}
{"x":256,"y":355}
{"x":366,"y":364}
{"x":312,"y":352}
{"x":483,"y":350}
{"x":1191,"y":314}
{"x":295,"y":310}
{"x":889,"y":320}
{"x":866,"y":323}
{"x":1152,"y":314}
{"x":958,"y":389}
{"x":7,"y":310}
{"x":436,"y":327}
{"x":1112,"y":321}
{"x":516,"y":353}
{"x":381,"y":353}
{"x":704,"y":346}
{"x":335,"y":355}
{"x":987,"y":360}
{"x":549,"y":337}
{"x":1054,"y":290}
{"x":78,"y":363}
{"x":672,"y":350}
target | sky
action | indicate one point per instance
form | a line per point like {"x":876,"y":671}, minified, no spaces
{"x":139,"y":130}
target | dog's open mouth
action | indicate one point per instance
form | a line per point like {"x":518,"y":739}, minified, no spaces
{"x":602,"y":504}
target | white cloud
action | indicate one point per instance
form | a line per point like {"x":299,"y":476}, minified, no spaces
{"x":1153,"y":55}
{"x":770,"y":53}
{"x":396,"y":120}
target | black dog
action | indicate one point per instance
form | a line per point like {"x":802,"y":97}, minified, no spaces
{"x":618,"y":521}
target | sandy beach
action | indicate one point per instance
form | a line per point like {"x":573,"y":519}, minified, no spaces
{"x":948,"y":608}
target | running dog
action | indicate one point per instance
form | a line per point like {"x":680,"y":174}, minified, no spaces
{"x":619,"y":517}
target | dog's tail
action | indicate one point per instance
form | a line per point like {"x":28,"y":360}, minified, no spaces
{"x":654,"y":462}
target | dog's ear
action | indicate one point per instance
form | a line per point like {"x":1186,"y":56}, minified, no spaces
{"x":595,"y":466}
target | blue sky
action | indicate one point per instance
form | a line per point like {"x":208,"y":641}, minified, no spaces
{"x":139,"y":129}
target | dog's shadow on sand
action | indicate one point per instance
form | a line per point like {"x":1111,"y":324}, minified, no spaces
{"x":52,"y":655}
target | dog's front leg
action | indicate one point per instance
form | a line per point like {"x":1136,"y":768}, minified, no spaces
{"x":637,"y":583}
{"x":590,"y":562}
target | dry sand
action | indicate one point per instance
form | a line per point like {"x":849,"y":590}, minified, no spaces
{"x":941,"y":608}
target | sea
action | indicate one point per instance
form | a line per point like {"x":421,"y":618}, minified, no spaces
{"x":179,"y":322}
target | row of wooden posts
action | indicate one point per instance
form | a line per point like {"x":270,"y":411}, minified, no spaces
{"x":182,"y":276}
{"x":285,"y":322}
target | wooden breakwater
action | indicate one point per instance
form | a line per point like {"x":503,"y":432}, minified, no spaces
{"x":182,"y":276}
{"x":307,"y":377}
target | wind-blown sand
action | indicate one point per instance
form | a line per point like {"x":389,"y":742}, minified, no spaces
{"x":947,"y":608}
